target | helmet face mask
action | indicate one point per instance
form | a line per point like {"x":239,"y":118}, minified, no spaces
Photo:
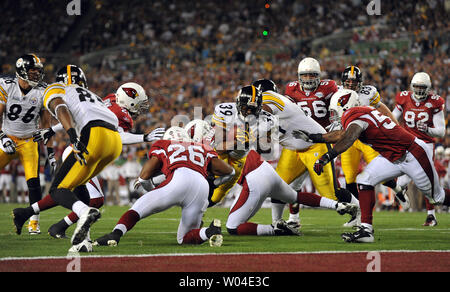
{"x":249,"y":102}
{"x":200,"y":131}
{"x":71,"y":74}
{"x":30,"y":69}
{"x":352,"y":78}
{"x":309,"y":74}
{"x":421,"y":85}
{"x":132,"y":97}
{"x":341,"y":101}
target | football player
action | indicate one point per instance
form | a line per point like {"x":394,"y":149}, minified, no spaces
{"x":235,"y":126}
{"x":291,"y":117}
{"x":400,"y":153}
{"x":185,"y":164}
{"x":92,"y":129}
{"x":129,"y":101}
{"x":259,"y":181}
{"x":22,"y":108}
{"x":352,"y":78}
{"x":313,"y":95}
{"x":422,"y":114}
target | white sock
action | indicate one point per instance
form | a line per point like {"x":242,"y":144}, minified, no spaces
{"x":122,"y":228}
{"x":35,"y":207}
{"x":79,"y":208}
{"x":294,"y":217}
{"x":68,"y":221}
{"x":277,"y":211}
{"x":203,"y":234}
{"x":431,"y":212}
{"x":328,"y":203}
{"x":264,"y":230}
{"x":34,"y":218}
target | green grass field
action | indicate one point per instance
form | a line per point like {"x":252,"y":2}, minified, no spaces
{"x":157,"y":234}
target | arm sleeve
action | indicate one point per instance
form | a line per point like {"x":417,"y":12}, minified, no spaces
{"x":439,"y":126}
{"x":128,"y":138}
{"x":57,"y":128}
{"x":396,"y":113}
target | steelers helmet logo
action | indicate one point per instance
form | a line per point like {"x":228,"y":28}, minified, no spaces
{"x":19,"y":62}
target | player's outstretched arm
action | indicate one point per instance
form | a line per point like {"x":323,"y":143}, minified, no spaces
{"x":222,"y":170}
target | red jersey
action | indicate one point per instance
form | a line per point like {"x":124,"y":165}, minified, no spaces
{"x":315,"y":103}
{"x":174,"y":154}
{"x":383,"y":135}
{"x":252,"y":162}
{"x":125,"y":120}
{"x":413,"y":112}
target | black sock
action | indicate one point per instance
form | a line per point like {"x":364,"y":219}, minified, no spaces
{"x":64,"y":197}
{"x":391,"y":184}
{"x":353,"y":188}
{"x":343,"y":195}
{"x":34,"y":190}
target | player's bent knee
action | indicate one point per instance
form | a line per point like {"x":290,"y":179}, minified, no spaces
{"x":364,"y":179}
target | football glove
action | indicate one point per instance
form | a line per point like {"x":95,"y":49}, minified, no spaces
{"x":421,"y":126}
{"x":310,"y":138}
{"x":6,"y":144}
{"x":156,"y":134}
{"x":324,"y":160}
{"x":43,"y":135}
{"x":78,"y":147}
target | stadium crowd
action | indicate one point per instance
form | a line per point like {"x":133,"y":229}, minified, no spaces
{"x":190,"y":57}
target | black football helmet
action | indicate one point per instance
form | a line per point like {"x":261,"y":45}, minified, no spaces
{"x":30,"y":69}
{"x":352,"y":78}
{"x":71,"y":74}
{"x":249,"y":101}
{"x":265,"y":85}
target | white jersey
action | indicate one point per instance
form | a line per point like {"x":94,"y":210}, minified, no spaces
{"x":291,"y":117}
{"x":22,"y":113}
{"x":368,"y":95}
{"x":226,"y":116}
{"x":84,"y":105}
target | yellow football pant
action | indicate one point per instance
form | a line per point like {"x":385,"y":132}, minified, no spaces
{"x":351,"y":159}
{"x":293,"y":163}
{"x":28,"y":153}
{"x":238,"y":164}
{"x":104,"y":146}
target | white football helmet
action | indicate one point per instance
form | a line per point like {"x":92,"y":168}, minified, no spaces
{"x":309,"y":66}
{"x":421,"y":85}
{"x":439,"y":152}
{"x":447,"y":153}
{"x":200,"y":131}
{"x":176,"y":134}
{"x":132,"y":97}
{"x":341,"y":101}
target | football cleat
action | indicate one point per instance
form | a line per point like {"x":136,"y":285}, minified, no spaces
{"x":355,"y":220}
{"x":430,"y":221}
{"x":20,"y":216}
{"x":280,"y":227}
{"x":58,"y":230}
{"x":110,"y":239}
{"x":403,"y":199}
{"x":362,"y":235}
{"x":214,"y":233}
{"x":84,"y":246}
{"x":33,"y":227}
{"x":84,"y":223}
{"x":347,"y":208}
